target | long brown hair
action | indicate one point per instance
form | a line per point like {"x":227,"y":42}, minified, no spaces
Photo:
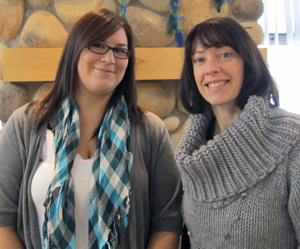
{"x":218,"y":32}
{"x":96,"y":25}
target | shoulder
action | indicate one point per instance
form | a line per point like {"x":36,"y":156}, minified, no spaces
{"x":292,"y":161}
{"x":151,"y":123}
{"x":262,"y":105}
{"x":276,"y":118}
{"x":290,"y":117}
{"x":21,"y":116}
{"x":294,"y":155}
{"x":151,"y":119}
{"x":286,"y":122}
{"x":20,"y":123}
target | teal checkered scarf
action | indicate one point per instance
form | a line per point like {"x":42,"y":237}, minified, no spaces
{"x":110,"y":184}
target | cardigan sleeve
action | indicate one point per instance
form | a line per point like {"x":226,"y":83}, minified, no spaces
{"x":294,"y":185}
{"x":165,"y":184}
{"x":12,"y":161}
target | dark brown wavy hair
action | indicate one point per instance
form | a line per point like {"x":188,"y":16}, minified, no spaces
{"x":96,"y":25}
{"x":218,"y":32}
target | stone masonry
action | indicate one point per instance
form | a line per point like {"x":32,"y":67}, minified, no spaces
{"x":46,"y":23}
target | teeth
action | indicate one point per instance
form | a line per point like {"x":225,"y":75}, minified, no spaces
{"x":216,"y":84}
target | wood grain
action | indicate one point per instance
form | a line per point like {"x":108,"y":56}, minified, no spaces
{"x":40,"y":64}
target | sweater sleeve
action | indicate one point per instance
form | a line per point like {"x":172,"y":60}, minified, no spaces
{"x":12,"y":161}
{"x":294,"y":197}
{"x":165,"y":184}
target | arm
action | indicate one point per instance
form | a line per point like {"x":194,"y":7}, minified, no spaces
{"x":163,"y":240}
{"x":294,"y":195}
{"x":165,"y":190}
{"x":9,"y":238}
{"x":11,"y":173}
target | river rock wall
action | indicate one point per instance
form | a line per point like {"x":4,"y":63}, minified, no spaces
{"x":46,"y":24}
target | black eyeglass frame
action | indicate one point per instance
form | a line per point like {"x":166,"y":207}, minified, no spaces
{"x":108,"y":48}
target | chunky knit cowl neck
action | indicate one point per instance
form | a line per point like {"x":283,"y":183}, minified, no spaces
{"x":238,"y":158}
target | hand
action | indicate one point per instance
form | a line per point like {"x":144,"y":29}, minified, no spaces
{"x":163,"y":240}
{"x":9,"y":238}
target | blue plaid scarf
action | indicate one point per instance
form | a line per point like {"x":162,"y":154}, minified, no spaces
{"x":110,"y":184}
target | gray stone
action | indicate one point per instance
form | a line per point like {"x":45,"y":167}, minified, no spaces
{"x":254,"y":30}
{"x":156,"y":97}
{"x":197,"y":11}
{"x":12,"y":96}
{"x":71,"y":10}
{"x":159,"y":5}
{"x":1,"y":60}
{"x":39,"y":31}
{"x":39,"y":3}
{"x":180,"y":106}
{"x":109,"y":4}
{"x":248,"y":9}
{"x":11,"y":17}
{"x":43,"y":90}
{"x":172,"y":123}
{"x":127,"y":1}
{"x":149,"y":28}
{"x":176,"y":136}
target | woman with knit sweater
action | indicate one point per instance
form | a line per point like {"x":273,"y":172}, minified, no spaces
{"x":240,"y":155}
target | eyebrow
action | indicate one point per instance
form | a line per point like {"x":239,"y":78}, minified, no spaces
{"x":117,"y":45}
{"x":197,"y":52}
{"x":122,"y":44}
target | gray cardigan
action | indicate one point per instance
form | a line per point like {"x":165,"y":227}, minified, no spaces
{"x":242,"y":188}
{"x":155,"y":202}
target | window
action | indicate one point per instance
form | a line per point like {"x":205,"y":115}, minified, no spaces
{"x":281,"y":26}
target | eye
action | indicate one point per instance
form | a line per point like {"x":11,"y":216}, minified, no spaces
{"x":98,"y":45}
{"x":121,"y":50}
{"x":198,"y":60}
{"x":226,"y":55}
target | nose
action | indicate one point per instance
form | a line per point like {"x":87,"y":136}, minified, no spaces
{"x":212,"y":66}
{"x":108,"y":57}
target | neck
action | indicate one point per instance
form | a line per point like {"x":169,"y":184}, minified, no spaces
{"x":225,"y":117}
{"x":91,"y":105}
{"x":91,"y":111}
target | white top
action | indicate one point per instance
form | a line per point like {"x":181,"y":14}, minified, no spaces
{"x":81,"y":174}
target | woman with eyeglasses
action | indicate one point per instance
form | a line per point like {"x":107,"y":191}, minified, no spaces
{"x":85,"y":167}
{"x":240,"y":155}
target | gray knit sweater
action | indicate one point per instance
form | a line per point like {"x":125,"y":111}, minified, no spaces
{"x":242,"y":188}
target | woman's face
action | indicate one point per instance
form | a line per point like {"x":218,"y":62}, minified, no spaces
{"x":100,"y":74}
{"x":219,"y":73}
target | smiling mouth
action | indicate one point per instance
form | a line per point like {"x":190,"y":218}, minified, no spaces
{"x":216,"y":84}
{"x":104,"y":70}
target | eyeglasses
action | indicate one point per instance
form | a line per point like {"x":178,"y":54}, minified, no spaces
{"x":101,"y":48}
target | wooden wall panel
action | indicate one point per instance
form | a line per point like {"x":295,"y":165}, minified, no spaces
{"x":40,"y":64}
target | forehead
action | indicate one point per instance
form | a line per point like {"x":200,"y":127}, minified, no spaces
{"x":211,"y":38}
{"x":200,"y":49}
{"x":120,"y":35}
{"x":197,"y":46}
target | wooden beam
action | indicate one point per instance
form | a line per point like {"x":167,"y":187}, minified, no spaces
{"x":30,"y":64}
{"x":40,"y":64}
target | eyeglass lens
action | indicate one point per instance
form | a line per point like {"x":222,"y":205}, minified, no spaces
{"x":100,"y":48}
